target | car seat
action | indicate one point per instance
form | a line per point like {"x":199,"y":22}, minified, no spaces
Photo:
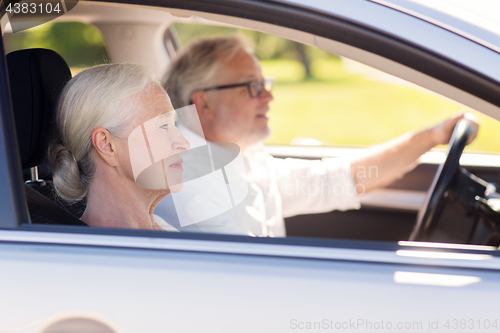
{"x":36,"y":77}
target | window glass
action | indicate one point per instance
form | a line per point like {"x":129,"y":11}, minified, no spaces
{"x":320,"y":99}
{"x":80,"y":44}
{"x":323,"y":99}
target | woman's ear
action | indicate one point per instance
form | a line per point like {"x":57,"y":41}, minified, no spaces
{"x":105,"y":145}
{"x":202,"y":102}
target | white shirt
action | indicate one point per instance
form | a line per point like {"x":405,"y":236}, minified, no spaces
{"x":277,"y":188}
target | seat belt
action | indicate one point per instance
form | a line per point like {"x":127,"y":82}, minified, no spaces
{"x":43,"y":206}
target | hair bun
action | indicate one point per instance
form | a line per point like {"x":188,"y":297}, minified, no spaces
{"x":66,"y":173}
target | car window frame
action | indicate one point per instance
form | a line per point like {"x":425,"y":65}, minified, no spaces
{"x":13,"y":204}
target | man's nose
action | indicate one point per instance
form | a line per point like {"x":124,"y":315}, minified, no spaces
{"x":266,"y":95}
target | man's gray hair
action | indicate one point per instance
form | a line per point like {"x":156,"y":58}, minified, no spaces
{"x":195,"y":66}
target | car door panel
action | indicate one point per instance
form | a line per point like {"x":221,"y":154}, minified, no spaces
{"x":228,"y":292}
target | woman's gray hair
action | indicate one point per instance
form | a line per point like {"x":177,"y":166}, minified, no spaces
{"x":195,"y":66}
{"x":103,"y":96}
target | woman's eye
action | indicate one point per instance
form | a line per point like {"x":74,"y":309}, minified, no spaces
{"x":164,"y":126}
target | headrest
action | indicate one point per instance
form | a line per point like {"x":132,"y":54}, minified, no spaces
{"x":36,"y":76}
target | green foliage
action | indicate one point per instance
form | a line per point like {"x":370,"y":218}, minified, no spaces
{"x":340,"y":108}
{"x":266,"y":46}
{"x":81,"y":45}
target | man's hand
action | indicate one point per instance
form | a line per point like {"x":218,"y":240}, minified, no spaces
{"x":442,"y":132}
{"x":397,"y":156}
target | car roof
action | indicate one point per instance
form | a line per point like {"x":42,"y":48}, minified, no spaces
{"x":475,"y":25}
{"x":451,"y":15}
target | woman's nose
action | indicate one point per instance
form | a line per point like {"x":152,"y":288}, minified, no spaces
{"x":180,"y":143}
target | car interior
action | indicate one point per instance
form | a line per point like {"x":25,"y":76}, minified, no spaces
{"x":460,"y":205}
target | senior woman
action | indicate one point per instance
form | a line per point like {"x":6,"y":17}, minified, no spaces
{"x":97,"y":113}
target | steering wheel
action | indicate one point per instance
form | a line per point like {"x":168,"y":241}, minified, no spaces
{"x":430,"y":211}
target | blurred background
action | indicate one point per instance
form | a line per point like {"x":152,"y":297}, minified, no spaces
{"x":319,"y":98}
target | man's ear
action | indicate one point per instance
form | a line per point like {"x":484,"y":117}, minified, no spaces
{"x":105,"y":145}
{"x":202,"y":102}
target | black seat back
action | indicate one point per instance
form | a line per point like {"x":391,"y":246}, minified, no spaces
{"x":37,"y":77}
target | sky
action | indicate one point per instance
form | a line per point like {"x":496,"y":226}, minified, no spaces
{"x":488,"y":9}
{"x":470,"y":10}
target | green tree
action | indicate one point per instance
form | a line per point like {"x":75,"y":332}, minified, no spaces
{"x":266,"y":46}
{"x":81,"y":45}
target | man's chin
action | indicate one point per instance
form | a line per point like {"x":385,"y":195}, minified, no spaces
{"x":260,"y":135}
{"x":263,"y":134}
{"x":269,"y":132}
{"x":256,"y":136}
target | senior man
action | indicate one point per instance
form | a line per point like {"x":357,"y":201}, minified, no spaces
{"x":222,"y":77}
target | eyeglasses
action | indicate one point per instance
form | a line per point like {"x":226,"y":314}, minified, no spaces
{"x":255,"y":87}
